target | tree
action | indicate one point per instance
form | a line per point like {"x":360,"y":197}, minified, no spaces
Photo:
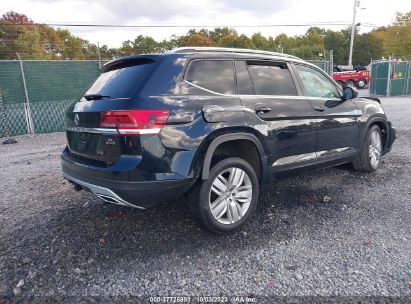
{"x":220,"y":32}
{"x":51,"y":42}
{"x":312,"y":39}
{"x":196,"y":39}
{"x":283,"y":43}
{"x":317,"y":31}
{"x":12,"y":35}
{"x":126,"y":48}
{"x":144,"y":45}
{"x":366,"y":47}
{"x":402,"y":20}
{"x":396,"y":38}
{"x":16,"y":18}
{"x":335,"y":41}
{"x":235,"y":41}
{"x":74,"y":47}
{"x":29,"y":40}
{"x":18,"y":33}
{"x":260,"y":42}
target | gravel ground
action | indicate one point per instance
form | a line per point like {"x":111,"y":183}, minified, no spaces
{"x":331,"y":233}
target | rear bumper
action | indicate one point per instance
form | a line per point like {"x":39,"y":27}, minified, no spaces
{"x":139,"y":194}
{"x":392,"y":135}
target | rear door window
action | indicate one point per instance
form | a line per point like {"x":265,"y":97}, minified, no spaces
{"x":122,"y":80}
{"x":213,"y":75}
{"x":272,"y":78}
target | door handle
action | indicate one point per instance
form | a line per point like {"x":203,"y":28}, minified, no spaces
{"x":319,"y":109}
{"x":263,"y":110}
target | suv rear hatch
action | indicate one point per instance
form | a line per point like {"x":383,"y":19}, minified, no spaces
{"x":112,"y":92}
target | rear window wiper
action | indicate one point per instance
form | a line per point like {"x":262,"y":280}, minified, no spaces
{"x":95,"y":96}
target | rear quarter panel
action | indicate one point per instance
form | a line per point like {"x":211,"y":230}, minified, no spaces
{"x":186,"y":135}
{"x":372,"y":112}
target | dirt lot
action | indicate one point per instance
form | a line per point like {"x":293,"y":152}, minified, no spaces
{"x":327,"y":233}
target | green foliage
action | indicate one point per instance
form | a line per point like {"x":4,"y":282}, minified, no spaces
{"x":235,"y":41}
{"x":396,"y":39}
{"x":367,"y":47}
{"x":198,"y":39}
{"x":260,"y":42}
{"x":336,"y":41}
{"x":19,"y":34}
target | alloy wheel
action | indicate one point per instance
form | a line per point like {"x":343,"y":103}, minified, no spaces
{"x":375,"y":149}
{"x":230,"y":195}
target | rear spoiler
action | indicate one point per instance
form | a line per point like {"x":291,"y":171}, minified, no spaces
{"x":125,"y":62}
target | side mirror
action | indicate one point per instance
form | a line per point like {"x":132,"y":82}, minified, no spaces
{"x":349,"y":93}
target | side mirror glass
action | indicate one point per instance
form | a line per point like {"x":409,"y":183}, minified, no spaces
{"x":349,"y":93}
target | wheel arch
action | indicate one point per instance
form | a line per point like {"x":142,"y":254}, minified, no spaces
{"x":232,"y":137}
{"x":382,"y":123}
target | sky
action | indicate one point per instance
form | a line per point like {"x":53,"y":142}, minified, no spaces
{"x":201,"y":12}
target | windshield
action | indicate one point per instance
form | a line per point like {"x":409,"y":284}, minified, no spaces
{"x":122,"y":82}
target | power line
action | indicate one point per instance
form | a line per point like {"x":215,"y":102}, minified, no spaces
{"x":334,"y":23}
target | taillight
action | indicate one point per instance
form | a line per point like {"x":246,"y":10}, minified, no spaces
{"x":134,"y":122}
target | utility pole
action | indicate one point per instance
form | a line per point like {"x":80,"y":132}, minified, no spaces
{"x":356,"y":4}
{"x":98,"y":55}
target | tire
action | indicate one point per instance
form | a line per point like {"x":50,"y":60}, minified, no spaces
{"x":340,"y":83}
{"x":230,"y":210}
{"x":350,"y":83}
{"x":369,"y":158}
{"x":361,"y":83}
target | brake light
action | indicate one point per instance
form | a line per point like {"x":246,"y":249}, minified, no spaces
{"x":135,"y":122}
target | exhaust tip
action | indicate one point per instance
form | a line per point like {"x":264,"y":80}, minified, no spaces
{"x":110,"y":199}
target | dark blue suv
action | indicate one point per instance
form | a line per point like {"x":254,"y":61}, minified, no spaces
{"x":215,"y":124}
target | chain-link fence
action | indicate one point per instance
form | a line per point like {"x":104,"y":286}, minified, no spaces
{"x":390,"y":78}
{"x":323,"y":64}
{"x":34,"y":93}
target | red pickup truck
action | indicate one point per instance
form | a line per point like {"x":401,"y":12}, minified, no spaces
{"x":358,"y":78}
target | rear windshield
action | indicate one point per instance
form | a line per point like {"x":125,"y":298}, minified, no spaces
{"x":122,"y":81}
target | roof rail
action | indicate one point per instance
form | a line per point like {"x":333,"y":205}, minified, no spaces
{"x":196,"y":49}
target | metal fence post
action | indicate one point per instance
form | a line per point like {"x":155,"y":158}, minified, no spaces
{"x":374,"y":77}
{"x":331,"y":62}
{"x":388,"y":92}
{"x":408,"y":75}
{"x":27,"y":110}
{"x":98,"y":55}
{"x":3,"y":115}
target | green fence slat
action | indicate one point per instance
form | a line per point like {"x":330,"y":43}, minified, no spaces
{"x":16,"y":120}
{"x":49,"y":116}
{"x":323,"y":64}
{"x":51,"y":85}
{"x":400,"y":82}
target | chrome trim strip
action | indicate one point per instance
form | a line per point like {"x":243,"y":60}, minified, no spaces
{"x":308,"y":156}
{"x":110,"y":131}
{"x":139,"y":131}
{"x":102,"y":192}
{"x":331,"y":152}
{"x":294,"y":159}
{"x":233,"y":50}
{"x":297,"y":97}
{"x":93,"y":130}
